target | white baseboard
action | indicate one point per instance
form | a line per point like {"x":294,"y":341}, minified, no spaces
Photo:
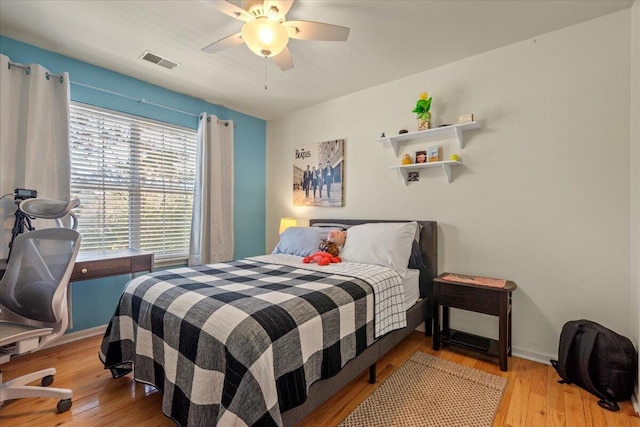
{"x":543,"y":358}
{"x":76,"y":336}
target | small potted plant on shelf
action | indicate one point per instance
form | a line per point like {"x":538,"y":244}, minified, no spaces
{"x":423,"y":107}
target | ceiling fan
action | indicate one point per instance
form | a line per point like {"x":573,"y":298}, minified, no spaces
{"x":266,"y":31}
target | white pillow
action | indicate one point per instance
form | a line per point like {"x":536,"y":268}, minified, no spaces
{"x":381,"y":243}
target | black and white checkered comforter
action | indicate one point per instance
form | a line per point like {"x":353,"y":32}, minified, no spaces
{"x":238,"y":343}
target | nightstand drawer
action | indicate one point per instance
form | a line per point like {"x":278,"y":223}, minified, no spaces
{"x":467,"y":298}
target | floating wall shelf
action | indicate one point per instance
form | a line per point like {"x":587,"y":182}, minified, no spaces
{"x":404,"y":170}
{"x":441,"y":132}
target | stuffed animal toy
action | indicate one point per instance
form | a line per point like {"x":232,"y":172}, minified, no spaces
{"x":335,"y":240}
{"x":329,"y":249}
{"x":322,"y":258}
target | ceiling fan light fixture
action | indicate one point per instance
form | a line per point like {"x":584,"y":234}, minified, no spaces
{"x":265,"y":37}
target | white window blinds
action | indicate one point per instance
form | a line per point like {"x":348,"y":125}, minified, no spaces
{"x":134,"y":178}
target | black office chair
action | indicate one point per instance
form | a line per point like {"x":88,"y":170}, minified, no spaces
{"x":33,"y":304}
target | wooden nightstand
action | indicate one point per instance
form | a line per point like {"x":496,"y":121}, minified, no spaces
{"x":479,"y":299}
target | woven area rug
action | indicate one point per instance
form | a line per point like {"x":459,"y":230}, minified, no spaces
{"x":428,"y":391}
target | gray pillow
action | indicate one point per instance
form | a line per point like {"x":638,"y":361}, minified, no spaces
{"x":301,"y":241}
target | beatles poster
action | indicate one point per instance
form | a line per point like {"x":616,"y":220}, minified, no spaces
{"x":318,"y":172}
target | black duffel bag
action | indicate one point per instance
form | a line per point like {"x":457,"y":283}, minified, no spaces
{"x":599,"y":360}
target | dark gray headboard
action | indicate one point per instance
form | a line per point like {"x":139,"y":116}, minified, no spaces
{"x":428,"y":246}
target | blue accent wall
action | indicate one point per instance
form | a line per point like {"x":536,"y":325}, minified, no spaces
{"x":94,"y":301}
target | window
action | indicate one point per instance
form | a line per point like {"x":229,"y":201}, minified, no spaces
{"x":134,"y":178}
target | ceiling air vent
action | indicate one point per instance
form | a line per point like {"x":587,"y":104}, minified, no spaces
{"x":157,"y":59}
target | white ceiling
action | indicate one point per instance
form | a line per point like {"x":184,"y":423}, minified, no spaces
{"x":388,"y":40}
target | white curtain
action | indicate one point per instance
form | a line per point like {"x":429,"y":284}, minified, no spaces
{"x":34,"y":138}
{"x":212,"y":220}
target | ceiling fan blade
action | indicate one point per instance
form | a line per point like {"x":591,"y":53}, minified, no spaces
{"x":283,"y":6}
{"x":225,"y":43}
{"x":283,"y":60}
{"x":250,"y":4}
{"x":230,"y":9}
{"x":309,"y":30}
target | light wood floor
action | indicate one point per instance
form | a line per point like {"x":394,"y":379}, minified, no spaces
{"x":532,"y":397}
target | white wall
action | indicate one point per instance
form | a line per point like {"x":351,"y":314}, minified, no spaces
{"x":635,"y":184}
{"x":543,"y":196}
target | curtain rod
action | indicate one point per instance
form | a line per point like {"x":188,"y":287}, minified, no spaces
{"x":99,"y":89}
{"x":141,"y":101}
{"x":27,"y":70}
{"x":225,"y":122}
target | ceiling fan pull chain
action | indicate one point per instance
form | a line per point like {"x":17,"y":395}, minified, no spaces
{"x":265,"y":73}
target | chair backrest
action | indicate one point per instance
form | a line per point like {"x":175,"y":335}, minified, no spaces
{"x":51,"y":209}
{"x":34,"y":285}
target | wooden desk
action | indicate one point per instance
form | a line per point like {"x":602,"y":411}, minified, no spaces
{"x":97,"y":264}
{"x":479,"y":299}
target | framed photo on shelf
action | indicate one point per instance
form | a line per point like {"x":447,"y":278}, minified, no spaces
{"x":421,"y":156}
{"x":433,"y":153}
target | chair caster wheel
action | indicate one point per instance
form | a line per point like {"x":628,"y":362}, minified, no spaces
{"x":47,"y":381}
{"x":64,"y":405}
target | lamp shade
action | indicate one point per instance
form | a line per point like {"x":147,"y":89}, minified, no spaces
{"x":264,"y":36}
{"x":286,"y":222}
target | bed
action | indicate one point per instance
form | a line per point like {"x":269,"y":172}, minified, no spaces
{"x":266,"y":340}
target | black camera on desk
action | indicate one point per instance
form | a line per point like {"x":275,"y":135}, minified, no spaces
{"x":24,"y":194}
